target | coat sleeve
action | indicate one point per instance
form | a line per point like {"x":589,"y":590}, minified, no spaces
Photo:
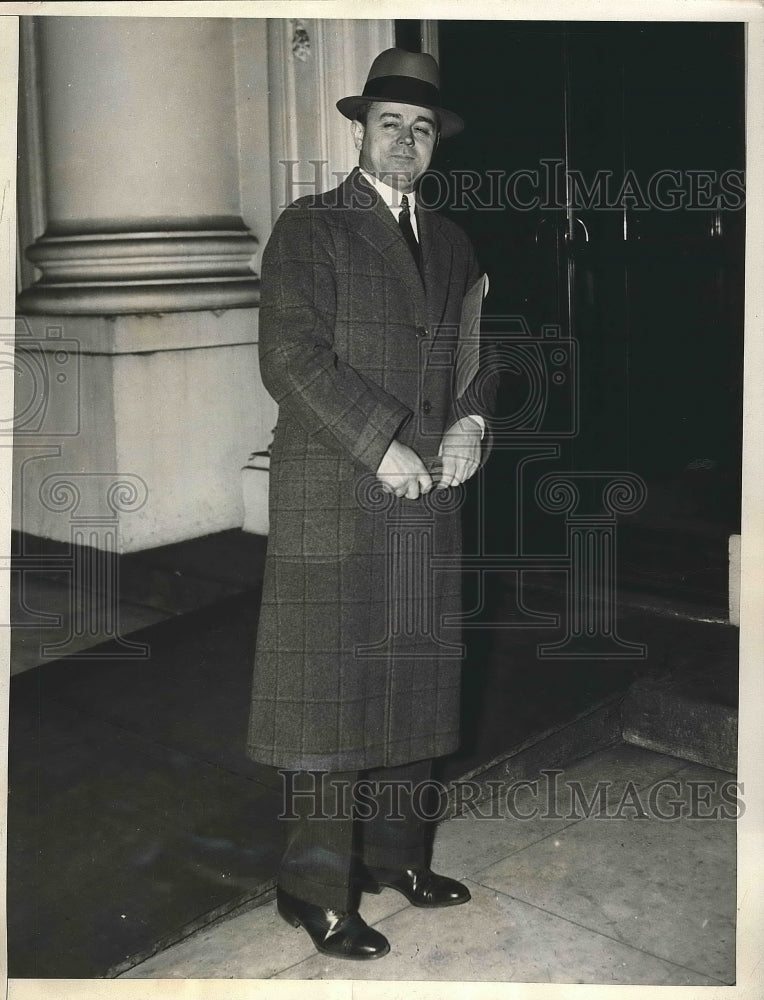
{"x":342,"y":408}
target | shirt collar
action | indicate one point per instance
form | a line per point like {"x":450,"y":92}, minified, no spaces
{"x":389,"y":195}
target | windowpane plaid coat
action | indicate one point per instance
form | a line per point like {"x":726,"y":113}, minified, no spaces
{"x":355,"y":666}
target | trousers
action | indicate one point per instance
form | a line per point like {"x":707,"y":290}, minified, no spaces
{"x":339,"y":822}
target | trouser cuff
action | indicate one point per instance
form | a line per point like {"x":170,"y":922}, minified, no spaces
{"x":397,"y":859}
{"x":335,"y":897}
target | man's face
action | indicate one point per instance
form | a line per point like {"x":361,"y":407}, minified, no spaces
{"x":397,"y":143}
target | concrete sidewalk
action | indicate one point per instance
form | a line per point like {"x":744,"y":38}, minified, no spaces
{"x":613,"y":897}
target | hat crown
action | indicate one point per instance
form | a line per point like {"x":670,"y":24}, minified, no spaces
{"x":399,"y":62}
{"x":402,"y":77}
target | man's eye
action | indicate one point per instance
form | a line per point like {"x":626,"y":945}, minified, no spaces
{"x":424,"y":130}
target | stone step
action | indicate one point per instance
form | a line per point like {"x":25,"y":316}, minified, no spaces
{"x":690,"y":711}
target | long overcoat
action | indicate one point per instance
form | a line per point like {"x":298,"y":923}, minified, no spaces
{"x":356,"y":665}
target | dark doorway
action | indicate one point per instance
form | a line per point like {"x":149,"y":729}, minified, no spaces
{"x":639,"y":256}
{"x":600,"y":177}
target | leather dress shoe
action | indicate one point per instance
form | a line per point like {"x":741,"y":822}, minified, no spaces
{"x":420,"y":886}
{"x":341,"y":934}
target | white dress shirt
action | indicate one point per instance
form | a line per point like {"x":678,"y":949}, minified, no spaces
{"x":392,"y":198}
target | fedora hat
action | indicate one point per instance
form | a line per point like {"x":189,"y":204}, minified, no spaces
{"x":404,"y":78}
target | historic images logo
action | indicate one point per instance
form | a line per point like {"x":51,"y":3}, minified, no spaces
{"x":548,"y":798}
{"x":48,"y":416}
{"x":546,"y":186}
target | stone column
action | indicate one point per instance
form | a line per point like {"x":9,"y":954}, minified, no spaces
{"x":154,"y":138}
{"x":141,"y":168}
{"x":312,"y":64}
{"x":137,"y":346}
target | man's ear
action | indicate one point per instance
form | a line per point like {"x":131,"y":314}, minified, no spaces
{"x":358,"y":133}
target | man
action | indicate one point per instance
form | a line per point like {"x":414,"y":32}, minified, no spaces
{"x":356,"y":675}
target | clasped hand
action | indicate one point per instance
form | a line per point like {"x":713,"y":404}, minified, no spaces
{"x":403,"y":472}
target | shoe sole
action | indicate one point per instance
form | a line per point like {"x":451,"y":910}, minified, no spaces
{"x":378,"y":887}
{"x":296,"y":922}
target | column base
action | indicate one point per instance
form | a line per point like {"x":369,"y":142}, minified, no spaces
{"x":144,"y":272}
{"x":174,"y":404}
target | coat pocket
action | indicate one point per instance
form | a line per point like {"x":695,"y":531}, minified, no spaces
{"x":313,"y":510}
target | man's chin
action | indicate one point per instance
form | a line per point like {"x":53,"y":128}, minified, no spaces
{"x":401,"y":179}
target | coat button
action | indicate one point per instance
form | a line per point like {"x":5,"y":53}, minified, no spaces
{"x":421,"y":331}
{"x":426,"y":406}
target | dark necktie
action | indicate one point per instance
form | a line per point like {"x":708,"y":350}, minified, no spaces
{"x":404,"y":221}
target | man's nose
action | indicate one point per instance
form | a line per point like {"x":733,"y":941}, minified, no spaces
{"x":406,"y":136}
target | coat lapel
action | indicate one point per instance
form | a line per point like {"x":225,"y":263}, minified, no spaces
{"x":437,"y":257}
{"x":377,"y":224}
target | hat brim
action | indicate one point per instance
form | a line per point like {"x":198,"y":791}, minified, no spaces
{"x":450,"y":123}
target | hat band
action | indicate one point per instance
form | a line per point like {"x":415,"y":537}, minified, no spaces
{"x":403,"y":90}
